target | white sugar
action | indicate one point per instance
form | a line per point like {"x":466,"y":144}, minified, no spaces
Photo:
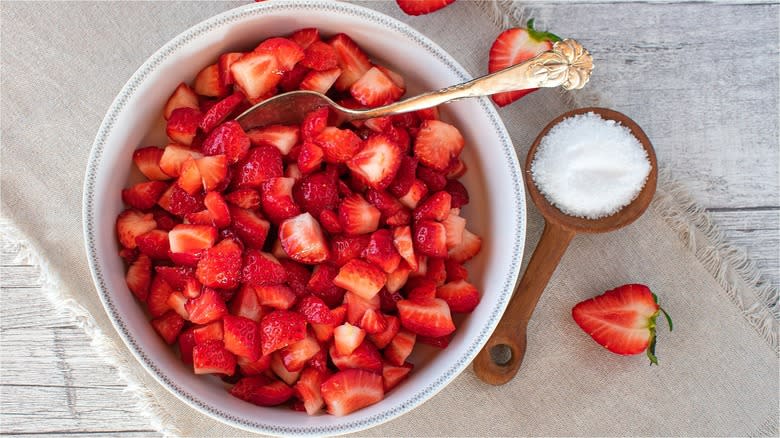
{"x":590,"y":167}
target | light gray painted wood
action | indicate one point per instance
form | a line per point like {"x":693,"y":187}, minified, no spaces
{"x":705,"y":91}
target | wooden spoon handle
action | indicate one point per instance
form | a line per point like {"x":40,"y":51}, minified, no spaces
{"x":508,"y":341}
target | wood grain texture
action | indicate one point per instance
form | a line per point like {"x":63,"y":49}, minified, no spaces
{"x":705,"y":93}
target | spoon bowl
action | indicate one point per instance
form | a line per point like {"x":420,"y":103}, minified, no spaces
{"x":502,"y":355}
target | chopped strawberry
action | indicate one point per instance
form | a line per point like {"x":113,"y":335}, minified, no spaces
{"x":622,"y":320}
{"x":282,"y":137}
{"x":180,"y":203}
{"x":262,"y":268}
{"x":249,"y":368}
{"x":434,"y":180}
{"x":157,"y":300}
{"x":132,"y":223}
{"x":402,"y":240}
{"x":437,"y":144}
{"x":436,"y":271}
{"x":397,"y":279}
{"x":183,"y":125}
{"x":250,"y":227}
{"x":174,"y":156}
{"x":298,"y":276}
{"x":347,"y":337}
{"x":420,"y":289}
{"x":315,"y":310}
{"x":139,"y":277}
{"x":338,"y":145}
{"x":186,"y":344}
{"x":261,"y":164}
{"x":357,"y":306}
{"x":397,"y":79}
{"x":277,"y":199}
{"x":256,"y":73}
{"x":320,"y":56}
{"x":436,"y":207}
{"x":320,"y":81}
{"x":392,"y":326}
{"x":220,"y":111}
{"x":244,"y":198}
{"x":350,"y":390}
{"x":217,"y":209}
{"x":278,"y":368}
{"x":165,"y":221}
{"x":352,"y":61}
{"x":182,"y":97}
{"x":358,"y":216}
{"x":365,"y":357}
{"x":262,"y":390}
{"x":317,"y":192}
{"x":246,"y":303}
{"x":461,"y":296}
{"x":400,"y":347}
{"x":129,"y":255}
{"x":148,"y":162}
{"x":383,"y":201}
{"x":213,"y":171}
{"x":287,"y":52}
{"x":207,"y":307}
{"x":186,"y":237}
{"x":459,"y":194}
{"x":210,"y":332}
{"x":429,"y":318}
{"x":277,"y":296}
{"x":228,"y":139}
{"x":375,"y":88}
{"x":457,"y":168}
{"x":453,"y":227}
{"x":416,"y":192}
{"x":293,"y":171}
{"x":189,"y":177}
{"x":393,"y":375}
{"x":373,"y":322}
{"x":430,"y":238}
{"x":224,"y":62}
{"x":281,"y":328}
{"x":405,"y":177}
{"x":291,"y":80}
{"x":220,"y":265}
{"x":321,"y":284}
{"x":242,"y":337}
{"x":360,"y":278}
{"x":455,"y":271}
{"x":207,"y":82}
{"x":176,"y":276}
{"x":378,"y":162}
{"x":381,"y":252}
{"x":308,"y":390}
{"x":302,"y":239}
{"x":154,"y":244}
{"x":422,"y":7}
{"x":295,"y":356}
{"x":211,"y":357}
{"x":468,"y":248}
{"x":438,"y":342}
{"x":314,"y":122}
{"x":305,"y":37}
{"x":422,"y":267}
{"x":514,"y":46}
{"x":145,"y":195}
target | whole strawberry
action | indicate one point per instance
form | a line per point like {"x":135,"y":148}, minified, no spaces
{"x":622,"y":320}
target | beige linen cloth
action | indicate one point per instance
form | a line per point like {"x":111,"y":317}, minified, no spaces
{"x":62,"y":64}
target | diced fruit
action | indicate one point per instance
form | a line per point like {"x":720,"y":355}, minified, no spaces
{"x":226,"y":139}
{"x":262,"y":391}
{"x":416,"y":193}
{"x":436,"y":207}
{"x":277,"y":296}
{"x":436,"y":271}
{"x":256,"y":73}
{"x":213,"y":171}
{"x":186,"y":344}
{"x":430,"y":238}
{"x":375,"y":88}
{"x":320,"y":81}
{"x":310,"y":157}
{"x":154,"y":244}
{"x":176,"y":276}
{"x":144,"y":196}
{"x":345,"y":248}
{"x":373,"y":322}
{"x":308,"y":389}
{"x":262,"y":268}
{"x":405,"y":177}
{"x":305,"y":37}
{"x":242,"y":336}
{"x":251,"y":228}
{"x":209,"y":332}
{"x":287,"y":52}
{"x":393,"y":375}
{"x":207,"y":82}
{"x":422,"y":7}
{"x":381,"y":251}
{"x":321,"y":284}
{"x":249,"y":368}
{"x":220,"y":265}
{"x":174,"y":156}
{"x":207,"y":307}
{"x":347,"y":337}
{"x":459,"y":194}
{"x":319,"y":56}
{"x":365,"y":357}
{"x":430,"y":318}
{"x":295,"y":356}
{"x":302,"y":239}
{"x":420,"y":289}
{"x":358,"y":216}
{"x":400,"y":347}
{"x":317,"y":192}
{"x":186,"y":237}
{"x":277,"y":199}
{"x":338,"y":145}
{"x":261,"y":163}
{"x":350,"y":390}
{"x":468,"y":248}
{"x":397,"y":279}
{"x":212,"y":358}
{"x":278,"y":368}
{"x":182,"y":97}
{"x":189,"y":177}
{"x":357,"y":306}
{"x":282,"y":137}
{"x":139,"y":277}
{"x":402,"y":240}
{"x":281,"y":328}
{"x":315,"y":310}
{"x":148,"y":162}
{"x":438,"y":342}
{"x":437,"y":144}
{"x":378,"y":161}
{"x":392,"y":326}
{"x":219,"y":112}
{"x":298,"y":276}
{"x":183,"y":125}
{"x":360,"y":278}
{"x":461,"y":296}
{"x":246,"y":303}
{"x":132,"y":223}
{"x":453,"y":227}
{"x":244,"y":198}
{"x":434,"y":180}
{"x":352,"y":61}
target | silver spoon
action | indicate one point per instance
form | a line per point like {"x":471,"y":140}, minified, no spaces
{"x":568,"y":64}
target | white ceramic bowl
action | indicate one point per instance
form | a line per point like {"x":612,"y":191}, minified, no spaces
{"x":496,"y":212}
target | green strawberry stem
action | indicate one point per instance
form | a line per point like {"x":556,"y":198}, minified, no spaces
{"x":538,"y":35}
{"x":651,"y":347}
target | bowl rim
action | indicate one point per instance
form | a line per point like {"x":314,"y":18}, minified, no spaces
{"x":89,"y":217}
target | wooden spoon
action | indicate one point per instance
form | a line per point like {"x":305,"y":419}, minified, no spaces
{"x":503,"y":353}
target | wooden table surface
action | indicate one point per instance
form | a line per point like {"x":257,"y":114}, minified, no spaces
{"x":701,"y":79}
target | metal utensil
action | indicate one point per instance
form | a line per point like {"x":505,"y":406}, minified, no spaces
{"x":567,"y":64}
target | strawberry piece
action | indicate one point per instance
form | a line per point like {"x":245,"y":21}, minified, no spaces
{"x":381,"y":252}
{"x":209,"y":332}
{"x":383,"y":201}
{"x":174,"y":156}
{"x":323,"y":332}
{"x":224,"y":62}
{"x":435,"y":181}
{"x":305,"y":37}
{"x":321,"y":284}
{"x":436,"y":271}
{"x":144,"y":196}
{"x":375,"y":88}
{"x":378,"y":124}
{"x":393,"y":375}
{"x":261,"y":391}
{"x":315,"y":310}
{"x":352,"y":61}
{"x":165,"y":221}
{"x":360,"y":278}
{"x":422,"y":267}
{"x":180,"y":203}
{"x":405,"y":177}
{"x":347,"y":337}
{"x":218,"y":209}
{"x":330,"y":221}
{"x":220,"y":265}
{"x":139,"y":277}
{"x":186,"y":237}
{"x":402,"y":217}
{"x":392,"y":327}
{"x":261,"y":164}
{"x":132,"y":223}
{"x":242,"y":336}
{"x":455,"y":271}
{"x":251,"y":228}
{"x":278,"y":368}
{"x":277,"y":296}
{"x":249,"y":368}
{"x":277,"y":199}
{"x":429,"y":318}
{"x":358,"y":216}
{"x":320,"y":81}
{"x":420,"y":290}
{"x":291,"y":80}
{"x":247,"y":304}
{"x":189,"y":177}
{"x":211,"y":357}
{"x":365,"y":357}
{"x":314,"y":122}
{"x":378,"y":162}
{"x":302,"y":239}
{"x":287,"y":52}
{"x":400,"y":347}
{"x":402,"y":240}
{"x":461,"y":296}
{"x":192,"y":287}
{"x":350,"y":390}
{"x":186,"y":344}
{"x":228,"y":139}
{"x":514,"y":46}
{"x":244,"y":198}
{"x":457,"y":168}
{"x":207,"y":82}
{"x":308,"y":390}
{"x":298,"y":276}
{"x":397,"y":79}
{"x":317,"y":192}
{"x":422,"y":7}
{"x":182,"y":97}
{"x":220,"y":111}
{"x":282,"y":137}
{"x":262,"y":268}
{"x":622,"y":320}
{"x":148,"y":162}
{"x":416,"y":192}
{"x":439,"y":342}
{"x":206,"y":307}
{"x":292,"y":170}
{"x":436,"y":207}
{"x":320,"y":56}
{"x":453,"y":227}
{"x":373,"y":322}
{"x":157,"y":300}
{"x":256,"y":73}
{"x":468,"y":248}
{"x":397,"y":279}
{"x":357,"y":306}
{"x":281,"y":328}
{"x":338,"y":145}
{"x":430,"y":238}
{"x":183,"y":125}
{"x":168,"y":326}
{"x":458,"y":193}
{"x":437,"y":144}
{"x":295,"y":356}
{"x":213,"y":171}
{"x":154,"y":244}
{"x":176,"y":276}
